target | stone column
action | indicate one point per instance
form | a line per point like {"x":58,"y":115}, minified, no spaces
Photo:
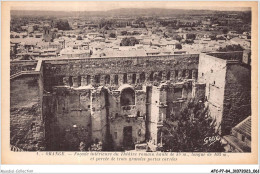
{"x":129,"y":78}
{"x":164,"y":76}
{"x":92,"y":79}
{"x":84,"y":81}
{"x":66,"y":81}
{"x":186,"y":74}
{"x":194,"y":74}
{"x":102,"y":80}
{"x":75,"y":81}
{"x":137,"y":78}
{"x":180,"y":74}
{"x":147,"y":76}
{"x":120,"y":79}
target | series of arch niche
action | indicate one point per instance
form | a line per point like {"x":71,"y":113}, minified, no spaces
{"x":142,"y":77}
{"x":127,"y":97}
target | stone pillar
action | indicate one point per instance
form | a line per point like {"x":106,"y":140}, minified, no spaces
{"x":172,"y":78}
{"x":137,"y":78}
{"x":102,"y":80}
{"x":129,"y":78}
{"x":147,"y":77}
{"x":120,"y":79}
{"x":194,"y":74}
{"x":186,"y":74}
{"x":92,"y":79}
{"x":75,"y":81}
{"x":84,"y":81}
{"x":179,"y":74}
{"x":66,"y":81}
{"x":164,"y":76}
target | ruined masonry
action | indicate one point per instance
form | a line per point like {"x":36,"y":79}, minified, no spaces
{"x":58,"y":103}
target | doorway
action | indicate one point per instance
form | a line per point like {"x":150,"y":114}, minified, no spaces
{"x":128,"y":140}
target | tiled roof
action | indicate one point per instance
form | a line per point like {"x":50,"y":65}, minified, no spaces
{"x":244,"y":127}
{"x":236,"y":143}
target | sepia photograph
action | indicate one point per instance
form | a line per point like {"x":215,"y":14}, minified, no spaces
{"x":128,"y":78}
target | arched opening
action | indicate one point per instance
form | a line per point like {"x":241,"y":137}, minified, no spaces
{"x":88,"y":79}
{"x":176,"y":73}
{"x":127,"y":97}
{"x":151,"y":76}
{"x":79,"y":80}
{"x":142,"y":77}
{"x":159,"y":77}
{"x":107,"y":79}
{"x":125,"y":78}
{"x":183,"y":73}
{"x":168,"y":76}
{"x":190,"y":74}
{"x":133,"y":78}
{"x":116,"y":79}
{"x":138,"y":114}
{"x":97,"y":79}
{"x":70,"y":81}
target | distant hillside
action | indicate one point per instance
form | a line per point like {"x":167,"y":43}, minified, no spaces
{"x":117,"y":12}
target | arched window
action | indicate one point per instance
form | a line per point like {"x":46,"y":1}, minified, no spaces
{"x":183,"y":73}
{"x":176,"y":73}
{"x":190,"y":74}
{"x":107,"y":79}
{"x":138,"y":114}
{"x":70,"y":81}
{"x":97,"y":79}
{"x":169,"y":75}
{"x":159,"y":77}
{"x":127,"y":97}
{"x":142,"y":77}
{"x":116,"y":79}
{"x":88,"y":79}
{"x":79,"y":80}
{"x":133,"y":78}
{"x":151,"y":76}
{"x":125,"y":78}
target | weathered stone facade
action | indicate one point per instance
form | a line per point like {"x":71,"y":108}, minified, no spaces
{"x":122,"y":101}
{"x":228,"y":88}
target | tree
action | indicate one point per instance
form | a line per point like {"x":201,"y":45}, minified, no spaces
{"x":178,"y":46}
{"x":191,"y":36}
{"x":225,"y":31}
{"x":229,"y":48}
{"x":191,"y":130}
{"x":79,"y":38}
{"x":177,"y":37}
{"x":189,"y":41}
{"x":113,"y":35}
{"x":123,"y":33}
{"x":129,"y":41}
{"x":62,"y":25}
{"x":213,"y":37}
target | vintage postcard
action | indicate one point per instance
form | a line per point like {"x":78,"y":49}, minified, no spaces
{"x":129,"y":82}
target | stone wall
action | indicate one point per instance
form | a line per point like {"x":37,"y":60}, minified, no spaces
{"x":70,"y":118}
{"x":212,"y":72}
{"x":237,"y":96}
{"x":19,"y":66}
{"x":113,"y":72}
{"x":82,"y":97}
{"x":27,"y":128}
